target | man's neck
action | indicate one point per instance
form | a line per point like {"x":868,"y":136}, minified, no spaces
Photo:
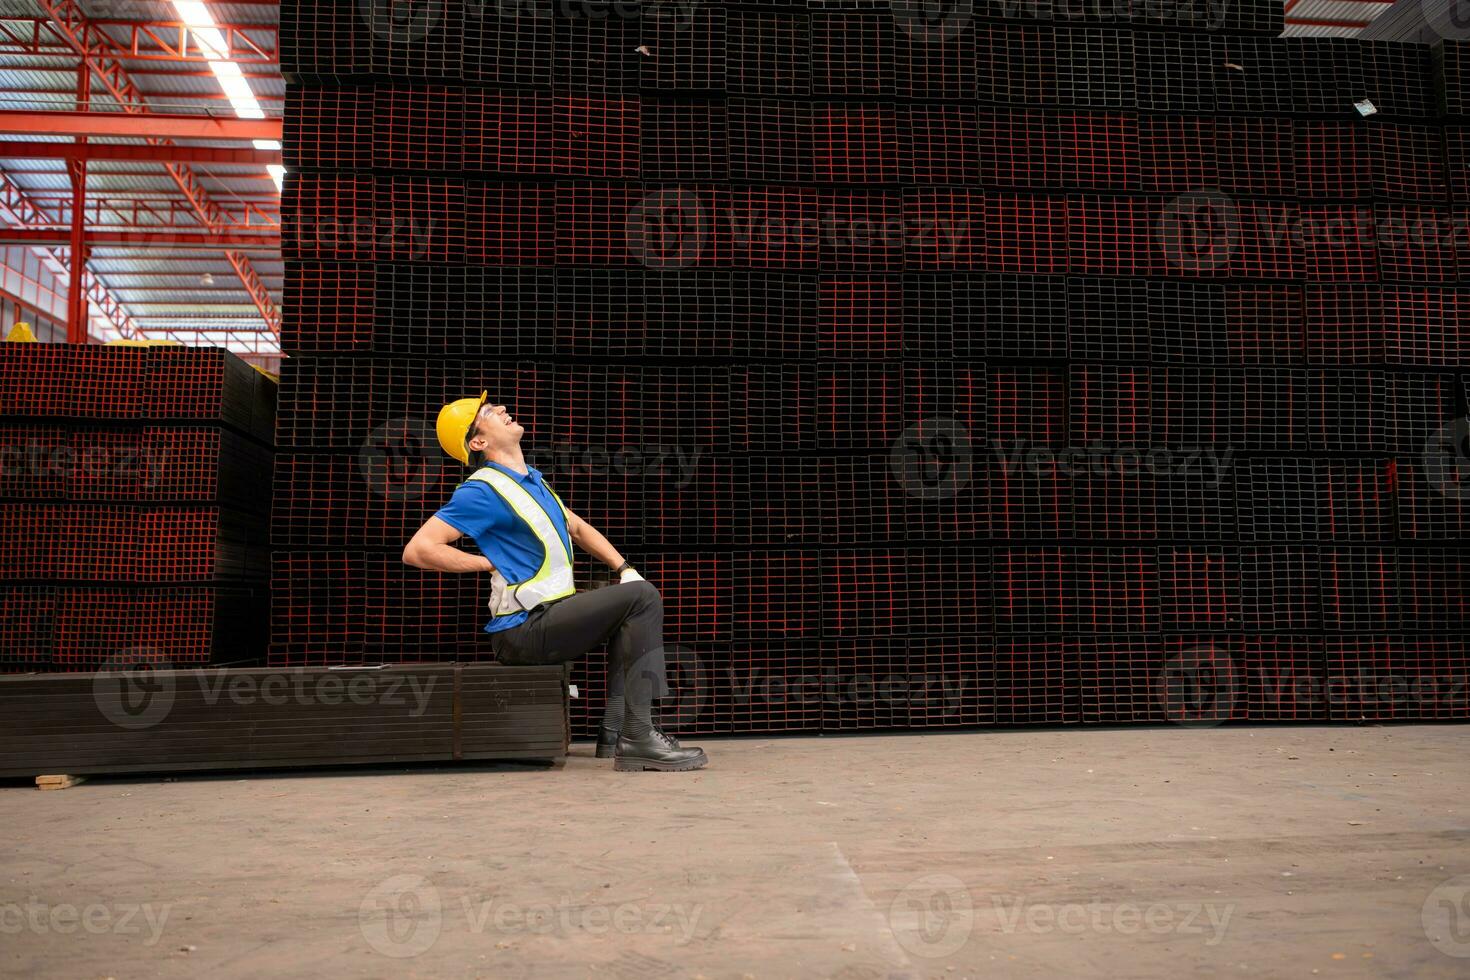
{"x":510,"y":458}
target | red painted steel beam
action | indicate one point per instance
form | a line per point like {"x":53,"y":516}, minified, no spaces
{"x":158,"y":214}
{"x":260,"y":293}
{"x":140,"y":124}
{"x":191,"y":275}
{"x":204,"y":73}
{"x":1310,"y":22}
{"x":140,"y":40}
{"x":214,"y":240}
{"x":20,"y":205}
{"x":9,"y":90}
{"x":51,"y":172}
{"x":76,"y":291}
{"x":204,"y":307}
{"x":1381,"y":3}
{"x":104,"y":59}
{"x":111,"y":307}
{"x":271,"y":202}
{"x":76,"y":297}
{"x":212,"y":333}
{"x":151,"y":154}
{"x":245,"y":44}
{"x":24,"y":210}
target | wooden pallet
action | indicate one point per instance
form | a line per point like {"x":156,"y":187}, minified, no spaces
{"x":58,"y":782}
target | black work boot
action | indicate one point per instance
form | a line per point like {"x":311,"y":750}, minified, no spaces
{"x":607,"y":738}
{"x":607,"y":742}
{"x":657,"y":751}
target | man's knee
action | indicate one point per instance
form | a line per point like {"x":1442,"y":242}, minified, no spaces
{"x":647,"y":592}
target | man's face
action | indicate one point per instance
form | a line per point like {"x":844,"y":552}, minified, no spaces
{"x":495,"y":428}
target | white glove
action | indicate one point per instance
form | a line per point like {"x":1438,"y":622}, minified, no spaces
{"x":629,"y":575}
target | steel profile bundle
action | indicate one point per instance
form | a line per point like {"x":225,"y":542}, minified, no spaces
{"x":134,"y":506}
{"x":170,"y":720}
{"x":842,"y":319}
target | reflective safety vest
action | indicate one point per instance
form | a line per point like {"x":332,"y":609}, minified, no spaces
{"x":553,"y":580}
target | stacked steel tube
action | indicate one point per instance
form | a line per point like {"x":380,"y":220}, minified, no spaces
{"x":134,"y":506}
{"x":942,"y":365}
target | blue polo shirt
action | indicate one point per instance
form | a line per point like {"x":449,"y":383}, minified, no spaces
{"x":478,"y":510}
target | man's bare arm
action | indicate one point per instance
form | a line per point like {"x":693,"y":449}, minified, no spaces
{"x":430,"y":548}
{"x":590,"y":540}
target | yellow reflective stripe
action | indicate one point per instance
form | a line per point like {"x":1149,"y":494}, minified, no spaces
{"x":510,"y":492}
{"x":545,"y":547}
{"x":565,"y":547}
{"x":566,"y":515}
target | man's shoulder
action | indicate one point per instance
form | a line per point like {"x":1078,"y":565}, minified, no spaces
{"x":474,"y":489}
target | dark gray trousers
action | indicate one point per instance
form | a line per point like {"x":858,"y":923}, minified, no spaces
{"x":628,"y":616}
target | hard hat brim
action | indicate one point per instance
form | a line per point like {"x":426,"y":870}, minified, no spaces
{"x":484,"y":397}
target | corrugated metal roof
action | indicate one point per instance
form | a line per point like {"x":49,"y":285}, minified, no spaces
{"x":156,"y":11}
{"x":1323,"y":14}
{"x":22,"y":61}
{"x":97,"y":182}
{"x":1424,"y":21}
{"x":134,"y":141}
{"x":25,"y":74}
{"x":1307,"y":30}
{"x":161,"y":10}
{"x":1338,"y":10}
{"x":136,"y":279}
{"x":185,"y":266}
{"x":177,"y":301}
{"x":240,"y":184}
{"x":178,"y":83}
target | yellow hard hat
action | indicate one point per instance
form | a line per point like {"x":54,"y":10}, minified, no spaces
{"x":21,"y":333}
{"x":454,"y":424}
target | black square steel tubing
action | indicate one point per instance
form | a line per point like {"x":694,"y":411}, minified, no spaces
{"x":1450,"y":66}
{"x":1398,"y":78}
{"x":194,"y":719}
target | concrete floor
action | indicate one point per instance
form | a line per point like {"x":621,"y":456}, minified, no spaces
{"x":1238,"y":852}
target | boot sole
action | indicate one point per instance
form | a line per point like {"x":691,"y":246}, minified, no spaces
{"x":626,"y":764}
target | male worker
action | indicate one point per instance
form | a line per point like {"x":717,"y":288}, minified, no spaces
{"x":525,"y":535}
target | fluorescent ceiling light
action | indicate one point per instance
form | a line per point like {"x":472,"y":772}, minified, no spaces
{"x":197,"y":17}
